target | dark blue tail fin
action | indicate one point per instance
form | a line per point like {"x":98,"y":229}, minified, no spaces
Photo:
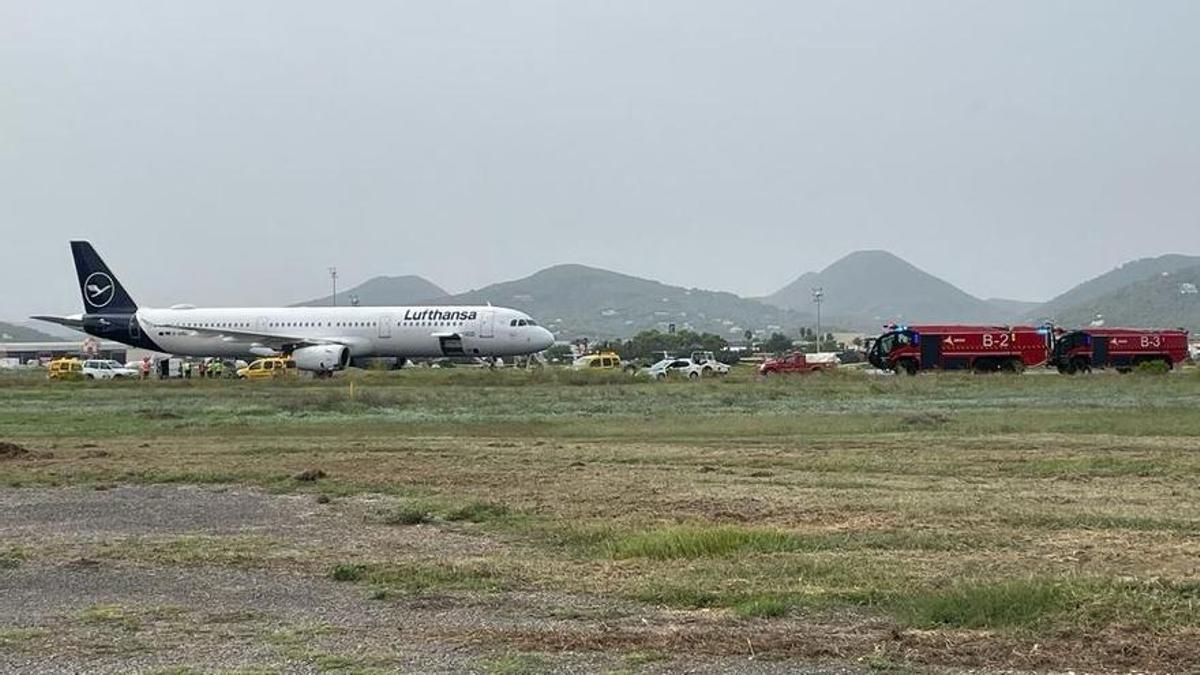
{"x":102,"y":293}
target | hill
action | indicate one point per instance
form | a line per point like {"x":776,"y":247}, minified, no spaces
{"x":1093,"y":289}
{"x":10,"y":332}
{"x":868,"y":288}
{"x":1164,"y":300}
{"x":576,"y":300}
{"x":382,"y":291}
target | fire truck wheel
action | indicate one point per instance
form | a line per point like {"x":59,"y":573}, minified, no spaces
{"x":1080,"y":364}
{"x":1016,"y":366}
{"x":907,"y":366}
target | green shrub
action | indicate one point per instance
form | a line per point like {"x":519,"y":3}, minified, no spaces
{"x":1006,"y":604}
{"x":477,"y":512}
{"x":697,"y":541}
{"x":1152,"y":368}
{"x":763,"y":607}
{"x":348,"y":572}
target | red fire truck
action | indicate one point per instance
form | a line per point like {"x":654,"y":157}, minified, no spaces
{"x":1122,"y":348}
{"x":909,"y":349}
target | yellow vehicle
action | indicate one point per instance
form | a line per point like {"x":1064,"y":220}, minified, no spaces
{"x":66,"y":369}
{"x":606,"y":360}
{"x":272,"y":366}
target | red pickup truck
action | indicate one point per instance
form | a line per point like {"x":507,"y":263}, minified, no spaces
{"x":798,"y":362}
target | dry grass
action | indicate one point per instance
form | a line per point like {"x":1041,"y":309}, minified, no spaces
{"x":955,"y":520}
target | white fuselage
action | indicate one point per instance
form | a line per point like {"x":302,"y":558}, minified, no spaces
{"x":418,"y":331}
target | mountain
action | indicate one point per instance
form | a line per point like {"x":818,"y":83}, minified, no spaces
{"x":1109,"y":282}
{"x":867,"y":288}
{"x":383,"y":291}
{"x":576,"y":300}
{"x":10,"y":332}
{"x":1163,"y":300}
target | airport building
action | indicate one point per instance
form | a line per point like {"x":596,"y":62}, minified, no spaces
{"x":14,"y":353}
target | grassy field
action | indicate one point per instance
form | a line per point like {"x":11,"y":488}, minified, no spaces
{"x":1031,"y":522}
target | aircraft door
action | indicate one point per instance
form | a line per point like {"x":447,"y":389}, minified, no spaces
{"x":486,"y":329}
{"x":385,"y":326}
{"x":263,"y":324}
{"x":135,"y":328}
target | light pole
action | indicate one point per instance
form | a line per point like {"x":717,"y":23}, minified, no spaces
{"x":333,"y":278}
{"x":818,"y":295}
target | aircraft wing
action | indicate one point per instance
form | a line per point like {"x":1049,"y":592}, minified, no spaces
{"x":275,"y":341}
{"x":73,"y":322}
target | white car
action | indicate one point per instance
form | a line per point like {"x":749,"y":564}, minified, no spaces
{"x":709,"y":365}
{"x":685,"y":368}
{"x":104,"y":369}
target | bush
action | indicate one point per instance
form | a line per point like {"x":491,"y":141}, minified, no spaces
{"x":405,"y":514}
{"x":477,"y":512}
{"x":1152,"y":368}
{"x":763,"y":607}
{"x":1007,"y":604}
{"x":348,"y":572}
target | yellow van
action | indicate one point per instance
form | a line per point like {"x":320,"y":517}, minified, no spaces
{"x":66,"y":369}
{"x":602,"y":360}
{"x":272,"y":366}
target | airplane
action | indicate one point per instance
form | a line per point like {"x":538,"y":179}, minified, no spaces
{"x":319,"y":339}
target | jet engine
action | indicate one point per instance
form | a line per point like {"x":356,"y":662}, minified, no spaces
{"x":322,"y":358}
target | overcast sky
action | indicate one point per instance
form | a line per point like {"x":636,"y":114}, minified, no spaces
{"x":229,"y":152}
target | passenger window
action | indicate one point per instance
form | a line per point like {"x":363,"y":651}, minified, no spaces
{"x":595,"y":363}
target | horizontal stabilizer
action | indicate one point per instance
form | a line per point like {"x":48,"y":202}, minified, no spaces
{"x":74,"y":322}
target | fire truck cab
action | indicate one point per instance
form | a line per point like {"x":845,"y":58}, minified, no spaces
{"x":909,"y":349}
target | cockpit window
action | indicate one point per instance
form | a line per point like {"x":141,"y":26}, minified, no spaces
{"x":531,"y":322}
{"x":521,"y":322}
{"x":513,"y":322}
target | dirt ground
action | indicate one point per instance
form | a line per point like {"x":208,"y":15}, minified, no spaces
{"x":103,"y":588}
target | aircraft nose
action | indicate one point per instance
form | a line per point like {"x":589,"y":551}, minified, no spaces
{"x":545,"y":338}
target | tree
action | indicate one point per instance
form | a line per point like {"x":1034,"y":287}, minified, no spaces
{"x":558,"y":354}
{"x":778,"y":343}
{"x":649,"y":345}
